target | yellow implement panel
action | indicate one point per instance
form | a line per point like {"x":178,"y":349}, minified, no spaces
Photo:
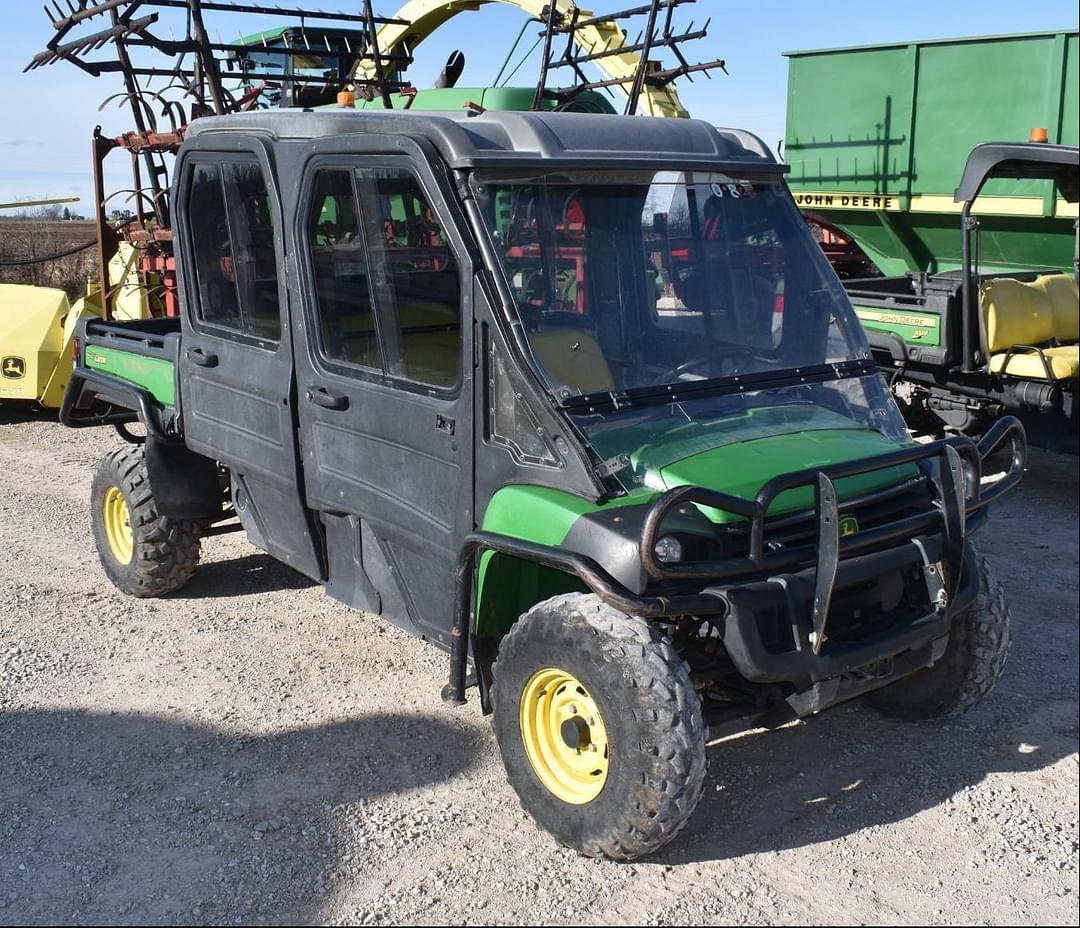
{"x":31,"y":338}
{"x":36,"y":328}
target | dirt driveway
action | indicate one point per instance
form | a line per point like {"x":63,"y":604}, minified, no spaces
{"x":249,"y":751}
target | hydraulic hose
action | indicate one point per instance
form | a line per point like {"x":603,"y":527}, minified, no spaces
{"x":22,"y":262}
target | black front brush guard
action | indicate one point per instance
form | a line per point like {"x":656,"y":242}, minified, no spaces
{"x":958,"y":496}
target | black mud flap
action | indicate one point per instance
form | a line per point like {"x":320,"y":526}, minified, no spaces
{"x":185,"y":484}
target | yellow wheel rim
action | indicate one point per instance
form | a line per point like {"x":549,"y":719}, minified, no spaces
{"x":564,"y":735}
{"x":117,"y":519}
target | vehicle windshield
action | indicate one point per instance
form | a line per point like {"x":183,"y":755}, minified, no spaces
{"x":632,"y":281}
{"x":675,"y":313}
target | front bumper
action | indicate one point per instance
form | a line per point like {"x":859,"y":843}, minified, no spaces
{"x":800,"y":583}
{"x":842,"y":669}
{"x":809,"y":595}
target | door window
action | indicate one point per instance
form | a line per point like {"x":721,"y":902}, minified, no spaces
{"x":346,"y":330}
{"x":387,"y":286}
{"x":416,"y":284}
{"x":232,"y":233}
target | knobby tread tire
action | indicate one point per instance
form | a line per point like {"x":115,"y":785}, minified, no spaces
{"x":165,"y":551}
{"x":657,"y":760}
{"x":977,"y":653}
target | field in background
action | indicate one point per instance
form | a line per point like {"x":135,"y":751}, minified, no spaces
{"x":28,"y":239}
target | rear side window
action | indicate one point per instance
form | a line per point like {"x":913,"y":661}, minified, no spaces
{"x":232,"y":232}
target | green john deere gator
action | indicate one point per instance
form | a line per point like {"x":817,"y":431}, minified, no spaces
{"x":573,"y":396}
{"x":551,"y":420}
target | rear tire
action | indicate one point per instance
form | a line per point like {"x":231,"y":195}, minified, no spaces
{"x":143,"y":553}
{"x":973,"y":662}
{"x":623,"y":691}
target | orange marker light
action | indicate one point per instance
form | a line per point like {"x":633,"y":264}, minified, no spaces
{"x":1039,"y":134}
{"x":347,"y":100}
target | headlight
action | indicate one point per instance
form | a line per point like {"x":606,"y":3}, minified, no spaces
{"x":971,"y":479}
{"x":668,"y":550}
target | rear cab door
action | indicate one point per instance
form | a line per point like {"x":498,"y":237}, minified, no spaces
{"x":236,"y":373}
{"x":385,"y":375}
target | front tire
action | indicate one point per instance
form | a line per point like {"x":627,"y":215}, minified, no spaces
{"x":599,"y":727}
{"x":973,"y":662}
{"x":143,"y":553}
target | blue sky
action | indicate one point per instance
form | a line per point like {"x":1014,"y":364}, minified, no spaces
{"x":48,"y":115}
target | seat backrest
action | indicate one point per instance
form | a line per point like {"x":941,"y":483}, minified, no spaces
{"x":430,"y":341}
{"x":573,"y":358}
{"x":1065,"y":302}
{"x":1016,"y":313}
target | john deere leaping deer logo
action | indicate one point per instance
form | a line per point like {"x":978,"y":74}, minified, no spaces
{"x":13,"y":368}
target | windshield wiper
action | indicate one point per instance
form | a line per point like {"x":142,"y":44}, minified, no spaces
{"x":659,"y":394}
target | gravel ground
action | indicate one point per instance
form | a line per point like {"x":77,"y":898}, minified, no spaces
{"x":250,"y":751}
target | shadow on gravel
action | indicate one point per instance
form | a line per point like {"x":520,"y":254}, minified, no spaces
{"x":17,"y":413}
{"x":240,"y":576}
{"x":851,"y":770}
{"x":133,"y":819}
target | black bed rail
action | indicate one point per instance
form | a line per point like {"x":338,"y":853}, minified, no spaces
{"x":147,"y":337}
{"x":958,"y":495}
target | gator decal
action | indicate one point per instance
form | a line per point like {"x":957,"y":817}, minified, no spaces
{"x":153,"y":374}
{"x":849,"y":526}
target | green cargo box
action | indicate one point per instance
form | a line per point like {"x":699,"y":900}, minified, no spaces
{"x":877,"y":138}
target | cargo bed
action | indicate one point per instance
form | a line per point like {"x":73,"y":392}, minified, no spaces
{"x":126,"y":372}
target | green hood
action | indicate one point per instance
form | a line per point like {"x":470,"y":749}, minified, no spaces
{"x":742,"y":468}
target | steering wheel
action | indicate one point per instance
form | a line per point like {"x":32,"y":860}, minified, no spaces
{"x":731,"y":352}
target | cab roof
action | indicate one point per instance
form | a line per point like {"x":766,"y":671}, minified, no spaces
{"x":521,"y":139}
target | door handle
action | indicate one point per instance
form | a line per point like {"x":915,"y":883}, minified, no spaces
{"x":202,"y":358}
{"x":320,"y":396}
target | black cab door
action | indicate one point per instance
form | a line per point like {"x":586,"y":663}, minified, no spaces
{"x":236,"y":373}
{"x":385,"y":379}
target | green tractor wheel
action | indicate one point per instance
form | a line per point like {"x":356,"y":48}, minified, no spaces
{"x":599,"y":727}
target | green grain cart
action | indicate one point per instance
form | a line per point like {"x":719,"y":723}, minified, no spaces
{"x":878,"y":136}
{"x":919,"y":154}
